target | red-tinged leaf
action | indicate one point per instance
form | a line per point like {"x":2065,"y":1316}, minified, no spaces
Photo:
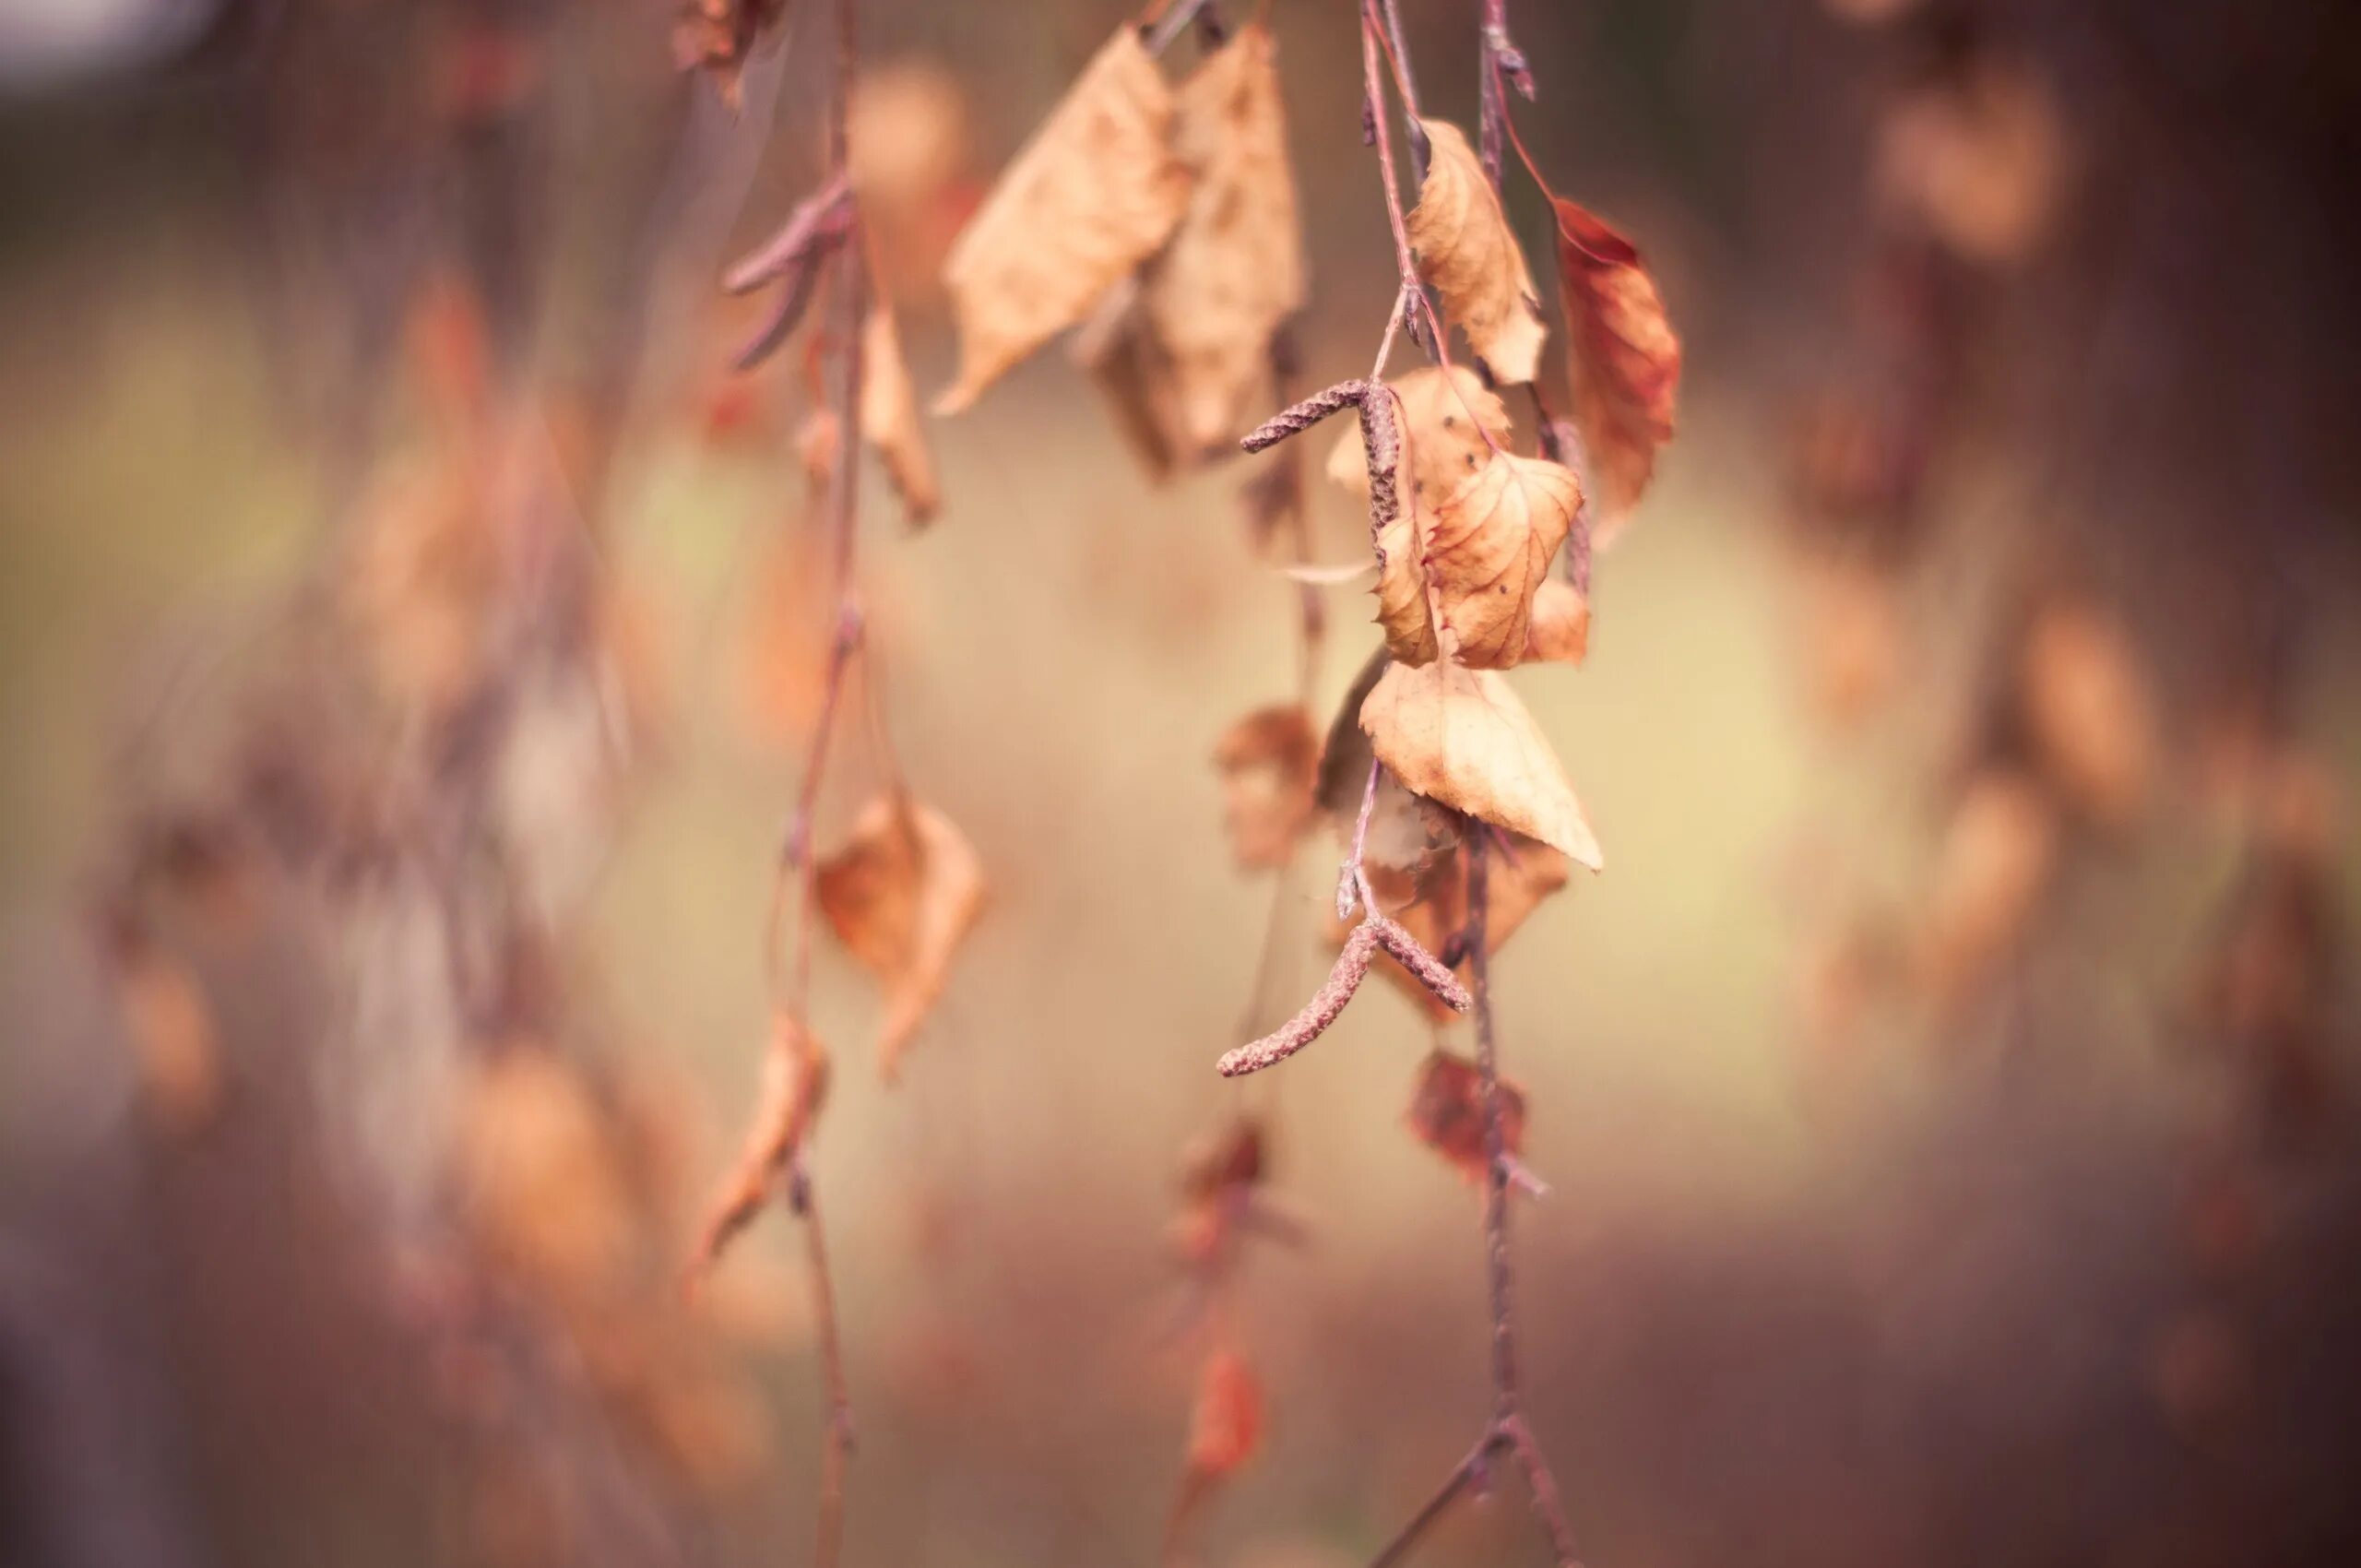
{"x":1447,"y":1113}
{"x":1622,"y":356}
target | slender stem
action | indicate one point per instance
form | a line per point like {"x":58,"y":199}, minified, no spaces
{"x":1499,"y":1275}
{"x":1467,"y":1473}
{"x":837,"y":1433}
{"x":1398,"y":50}
{"x":1492,"y":111}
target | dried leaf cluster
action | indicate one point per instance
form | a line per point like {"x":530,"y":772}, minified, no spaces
{"x":1164,"y":223}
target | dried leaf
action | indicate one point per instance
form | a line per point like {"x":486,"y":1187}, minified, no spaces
{"x":1447,"y":1113}
{"x":2088,"y":710}
{"x":1460,"y":736}
{"x":795,"y":1086}
{"x":717,"y":35}
{"x":175,"y":1047}
{"x":910,"y":140}
{"x":902,"y":895}
{"x":544,"y":1187}
{"x":1489,"y":549}
{"x":1092,"y":195}
{"x":1444,"y":416}
{"x":1995,"y":862}
{"x":1269,"y":762}
{"x":1405,"y":605}
{"x":1468,"y":251}
{"x":1854,"y":638}
{"x":1226,"y":1426}
{"x":1131,"y":371}
{"x":889,"y":417}
{"x":1979,"y":161}
{"x":1234,"y":269}
{"x":1406,"y":832}
{"x":1560,"y":631}
{"x":1431,"y":904}
{"x":1622,"y":356}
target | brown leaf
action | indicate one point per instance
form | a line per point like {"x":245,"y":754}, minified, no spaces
{"x":1995,"y":862}
{"x":1431,"y":904}
{"x":1406,"y":832}
{"x":795,"y":1086}
{"x":716,"y":35}
{"x":1854,"y":637}
{"x":1092,"y":195}
{"x":1468,"y":251}
{"x":1405,"y":606}
{"x":1560,"y":631}
{"x":1269,"y":762}
{"x":1978,"y":160}
{"x":2088,"y":710}
{"x":1234,"y":269}
{"x":1489,"y":548}
{"x":1447,"y":1113}
{"x":175,"y":1047}
{"x":1226,"y":1426}
{"x":910,"y":140}
{"x":1115,"y":348}
{"x":1444,"y":416}
{"x":1622,"y":356}
{"x":889,"y":417}
{"x":902,"y":895}
{"x":1460,"y":736}
{"x":541,"y":1176}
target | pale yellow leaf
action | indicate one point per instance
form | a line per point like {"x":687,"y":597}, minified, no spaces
{"x":1468,"y":251}
{"x":1093,"y":195}
{"x":1461,"y":737}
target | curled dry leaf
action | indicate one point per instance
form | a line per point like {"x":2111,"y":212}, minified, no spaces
{"x":1234,"y":269}
{"x":1461,"y":737}
{"x":1560,"y":631}
{"x":1405,"y":605}
{"x":1622,"y":358}
{"x":1445,"y":415}
{"x":1489,"y":549}
{"x":1447,"y":1113}
{"x":889,"y":417}
{"x":794,"y":1088}
{"x":1995,"y":862}
{"x":2088,"y":710}
{"x":1468,"y":251}
{"x":902,"y":895}
{"x":1269,"y":762}
{"x":1092,"y":195}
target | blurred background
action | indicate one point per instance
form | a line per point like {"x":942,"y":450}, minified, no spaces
{"x":1947,"y":1093}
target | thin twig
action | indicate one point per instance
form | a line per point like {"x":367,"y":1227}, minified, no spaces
{"x":1505,"y":1429}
